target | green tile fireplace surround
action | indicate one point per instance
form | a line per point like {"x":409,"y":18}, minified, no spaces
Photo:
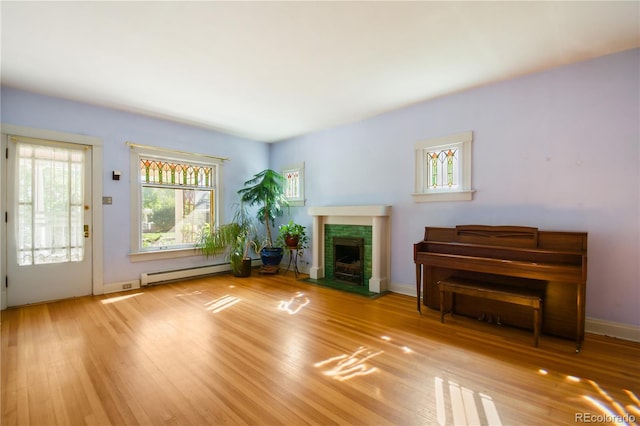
{"x":347,"y":231}
{"x":372,"y":223}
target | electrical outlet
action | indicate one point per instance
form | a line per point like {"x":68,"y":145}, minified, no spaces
{"x":126,"y":286}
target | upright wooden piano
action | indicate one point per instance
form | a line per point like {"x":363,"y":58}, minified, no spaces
{"x":554,"y":263}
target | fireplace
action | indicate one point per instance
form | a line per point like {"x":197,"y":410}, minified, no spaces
{"x":348,"y":260}
{"x":377,"y":254}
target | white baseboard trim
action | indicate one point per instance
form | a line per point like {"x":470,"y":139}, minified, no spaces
{"x":402,"y":289}
{"x":613,"y":329}
{"x":121,"y":286}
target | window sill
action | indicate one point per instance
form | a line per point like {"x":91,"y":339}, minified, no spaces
{"x":296,"y":203}
{"x":143,"y":256}
{"x":428,"y":197}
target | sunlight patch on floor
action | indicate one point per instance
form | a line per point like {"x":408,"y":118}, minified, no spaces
{"x":221,"y":303}
{"x":608,"y":408}
{"x":119,"y":298}
{"x":349,"y":366}
{"x":193,"y":293}
{"x":293,"y":305}
{"x":405,"y":349}
{"x":635,"y":407}
{"x":462,"y":402}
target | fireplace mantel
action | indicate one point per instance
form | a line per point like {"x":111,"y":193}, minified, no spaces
{"x":376,"y":216}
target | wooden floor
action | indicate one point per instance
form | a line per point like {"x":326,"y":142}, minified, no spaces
{"x":273,"y":350}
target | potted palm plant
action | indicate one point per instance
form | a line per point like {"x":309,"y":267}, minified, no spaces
{"x":266,"y":190}
{"x":233,"y":239}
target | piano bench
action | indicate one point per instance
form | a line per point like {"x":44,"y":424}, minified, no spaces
{"x":486,"y":290}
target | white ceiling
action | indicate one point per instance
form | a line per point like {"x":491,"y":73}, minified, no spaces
{"x":273,"y":70}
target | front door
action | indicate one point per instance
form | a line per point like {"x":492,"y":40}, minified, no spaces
{"x":49,"y":255}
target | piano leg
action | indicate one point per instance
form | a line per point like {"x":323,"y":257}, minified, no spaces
{"x":580,"y":320}
{"x":418,"y":285}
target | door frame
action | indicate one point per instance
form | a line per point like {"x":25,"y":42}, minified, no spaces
{"x":96,"y":198}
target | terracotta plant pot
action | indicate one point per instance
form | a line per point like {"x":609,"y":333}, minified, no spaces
{"x":291,"y":241}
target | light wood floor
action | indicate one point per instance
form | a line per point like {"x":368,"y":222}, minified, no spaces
{"x":274,"y":350}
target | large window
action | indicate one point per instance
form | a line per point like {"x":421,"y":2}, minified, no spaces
{"x":176,"y":196}
{"x":443,"y":168}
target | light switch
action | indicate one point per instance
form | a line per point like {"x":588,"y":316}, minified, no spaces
{"x":107,"y":200}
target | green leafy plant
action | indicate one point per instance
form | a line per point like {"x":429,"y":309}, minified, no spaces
{"x":233,"y":239}
{"x":293,"y":235}
{"x":266,"y":190}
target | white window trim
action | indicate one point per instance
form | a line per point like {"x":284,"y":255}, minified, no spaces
{"x":299,"y":201}
{"x":422,"y":193}
{"x":136,"y":254}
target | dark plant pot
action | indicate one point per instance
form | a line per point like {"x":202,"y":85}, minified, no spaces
{"x":244,"y":270}
{"x":291,"y":241}
{"x":271,"y":256}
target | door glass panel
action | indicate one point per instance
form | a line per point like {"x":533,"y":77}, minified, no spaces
{"x":50,"y":188}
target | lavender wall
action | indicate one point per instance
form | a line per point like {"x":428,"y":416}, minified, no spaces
{"x":542,"y":145}
{"x":115,"y":128}
{"x":558,"y":150}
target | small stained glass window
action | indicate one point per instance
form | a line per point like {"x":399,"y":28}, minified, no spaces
{"x":294,"y":184}
{"x":443,"y":169}
{"x":292,"y":178}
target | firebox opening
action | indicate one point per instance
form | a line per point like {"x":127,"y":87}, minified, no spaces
{"x":348,"y":264}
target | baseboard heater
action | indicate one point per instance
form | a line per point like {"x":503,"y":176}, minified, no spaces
{"x":147,"y":278}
